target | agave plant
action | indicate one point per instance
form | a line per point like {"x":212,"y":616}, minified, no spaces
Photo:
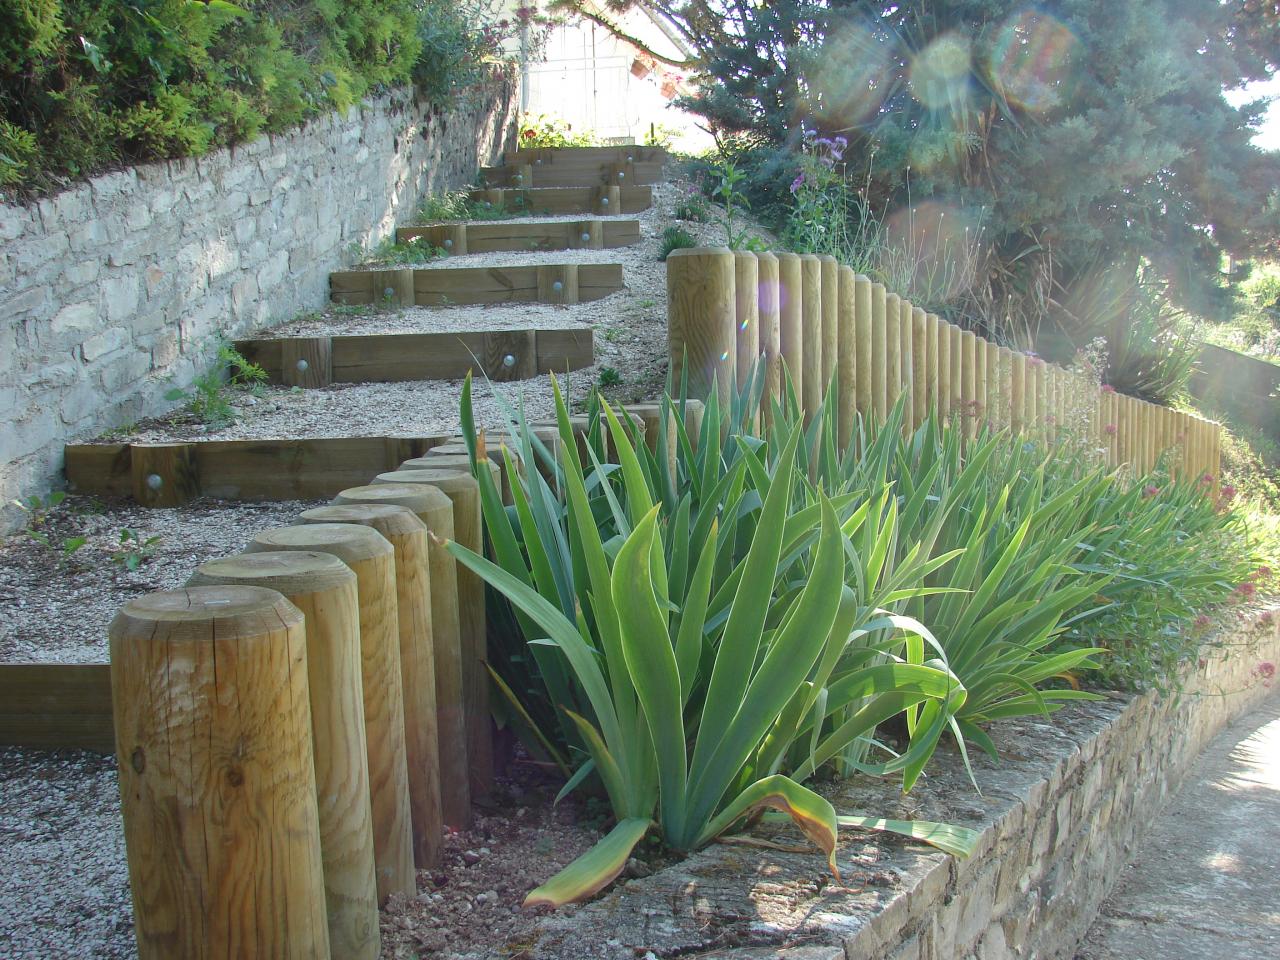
{"x":695,"y":685}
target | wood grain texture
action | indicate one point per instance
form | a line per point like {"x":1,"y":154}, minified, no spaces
{"x":55,"y":706}
{"x":306,"y":362}
{"x":510,"y":355}
{"x":323,"y":588}
{"x":559,"y":351}
{"x":864,"y":392}
{"x":746,"y":291}
{"x":811,"y":335}
{"x":770,"y":334}
{"x":921,"y":377}
{"x":372,"y":559}
{"x":463,"y":491}
{"x":435,"y":510}
{"x":906,"y":357}
{"x":408,"y":536}
{"x":846,"y":354}
{"x":879,"y":356}
{"x":164,"y":474}
{"x":217,"y":780}
{"x":830,"y":322}
{"x":562,"y":200}
{"x":700,"y":320}
{"x":944,"y":388}
{"x":969,"y":381}
{"x":892,"y":350}
{"x":558,"y":283}
{"x":791,"y":324}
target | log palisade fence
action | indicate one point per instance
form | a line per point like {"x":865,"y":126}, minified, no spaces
{"x":830,"y":328}
{"x":298,"y":726}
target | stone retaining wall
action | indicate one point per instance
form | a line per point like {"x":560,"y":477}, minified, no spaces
{"x":1060,"y":815}
{"x":114,"y":290}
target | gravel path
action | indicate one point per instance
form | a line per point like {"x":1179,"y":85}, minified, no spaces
{"x":56,"y":610}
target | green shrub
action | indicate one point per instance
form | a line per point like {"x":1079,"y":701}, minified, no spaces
{"x":96,"y":82}
{"x":548,"y":130}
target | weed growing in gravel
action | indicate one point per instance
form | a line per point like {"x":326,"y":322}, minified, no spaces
{"x":416,"y":250}
{"x":675,"y":238}
{"x":609,"y":377}
{"x":208,"y":397}
{"x":132,"y":549}
{"x":40,"y":512}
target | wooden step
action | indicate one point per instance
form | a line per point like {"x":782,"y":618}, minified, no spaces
{"x":602,"y":201}
{"x":568,"y":156}
{"x":562,"y":283}
{"x":536,"y":176}
{"x":464,"y":238}
{"x":500,"y":355}
{"x":55,"y":706}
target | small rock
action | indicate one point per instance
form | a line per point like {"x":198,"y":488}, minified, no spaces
{"x":471,"y":858}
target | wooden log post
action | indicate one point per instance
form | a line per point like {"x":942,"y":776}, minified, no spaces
{"x":980,"y":384}
{"x":969,"y":381}
{"x":558,"y":283}
{"x":217,"y":776}
{"x":863,"y":379}
{"x":944,"y":369}
{"x":955,"y":354}
{"x":810,"y":335}
{"x":770,"y":342}
{"x":920,"y":375}
{"x":846,"y":356}
{"x":323,"y":588}
{"x":393,"y":288}
{"x":906,"y":356}
{"x":522,"y":176}
{"x":791,"y":323}
{"x":464,"y":492}
{"x":435,"y":510}
{"x":607,"y":200}
{"x":995,"y":394}
{"x":444,"y":459}
{"x":409,"y":538}
{"x":892,"y":350}
{"x":700,"y":320}
{"x":372,"y":559}
{"x":830,"y":339}
{"x":587,"y":235}
{"x":1017,"y":392}
{"x":879,"y":361}
{"x":306,"y":362}
{"x":163,"y":474}
{"x":746,"y":328}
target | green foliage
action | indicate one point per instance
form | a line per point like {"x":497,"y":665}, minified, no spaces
{"x":705,"y":653}
{"x":85,"y":84}
{"x":692,"y":206}
{"x":41,"y":511}
{"x":675,"y":238}
{"x":133,"y":549}
{"x":208,"y":399}
{"x":548,"y":130}
{"x":609,"y":377}
{"x":414,"y":250}
{"x":455,"y":205}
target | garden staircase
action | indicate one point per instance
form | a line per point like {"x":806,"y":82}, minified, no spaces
{"x":598,"y":183}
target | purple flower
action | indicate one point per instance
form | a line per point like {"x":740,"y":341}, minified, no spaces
{"x":797,"y":183}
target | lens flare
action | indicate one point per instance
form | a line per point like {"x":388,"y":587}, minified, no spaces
{"x":936,"y":251}
{"x":940,"y":73}
{"x":847,"y":78}
{"x":1033,"y":61}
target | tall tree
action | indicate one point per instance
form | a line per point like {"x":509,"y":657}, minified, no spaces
{"x":1069,"y":135}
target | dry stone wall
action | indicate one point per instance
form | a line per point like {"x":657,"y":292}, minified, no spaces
{"x":1060,"y":815}
{"x":114,"y":290}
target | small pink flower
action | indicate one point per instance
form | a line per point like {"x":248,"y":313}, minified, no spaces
{"x":1228,"y":492}
{"x":1266,"y":618}
{"x":1109,"y":429}
{"x":1266,"y":670}
{"x":1247,"y":589}
{"x":1202,"y":622}
{"x":1050,"y":418}
{"x":1108,"y":388}
{"x":1262,"y":573}
{"x":1150,"y":491}
{"x":1206,"y":479}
